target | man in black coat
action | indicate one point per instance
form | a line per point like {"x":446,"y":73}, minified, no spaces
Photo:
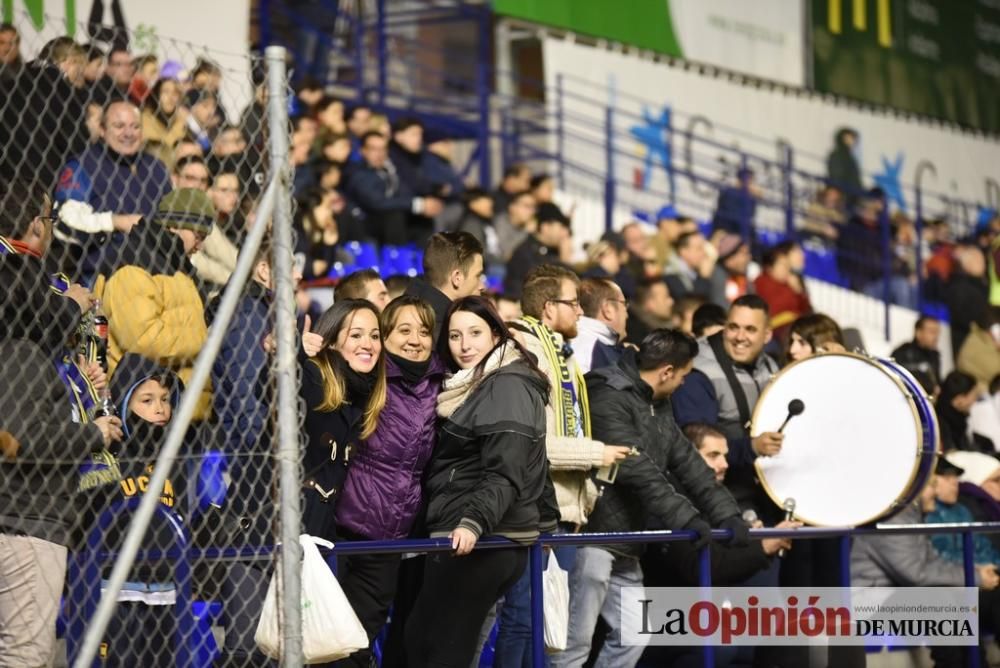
{"x":388,"y":201}
{"x":920,"y":356}
{"x":629,"y":404}
{"x":545,"y":246}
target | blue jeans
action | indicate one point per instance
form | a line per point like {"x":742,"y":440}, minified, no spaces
{"x":595,"y":589}
{"x":513,"y":647}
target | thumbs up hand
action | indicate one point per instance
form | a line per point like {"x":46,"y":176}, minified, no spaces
{"x":311,"y":343}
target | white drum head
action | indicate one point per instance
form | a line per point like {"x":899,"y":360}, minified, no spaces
{"x":855,"y":449}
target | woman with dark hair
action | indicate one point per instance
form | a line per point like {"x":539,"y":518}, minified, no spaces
{"x":319,"y":233}
{"x":344,"y":388}
{"x":959,"y":392}
{"x":814,"y":333}
{"x":382,"y":496}
{"x":164,"y":120}
{"x":488,"y":477}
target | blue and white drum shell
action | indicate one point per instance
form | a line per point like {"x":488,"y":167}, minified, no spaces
{"x":863,"y":448}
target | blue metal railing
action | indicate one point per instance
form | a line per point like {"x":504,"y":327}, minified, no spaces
{"x":84,"y":575}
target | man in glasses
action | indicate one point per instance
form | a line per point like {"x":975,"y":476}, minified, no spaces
{"x":602,"y":329}
{"x":551,"y":305}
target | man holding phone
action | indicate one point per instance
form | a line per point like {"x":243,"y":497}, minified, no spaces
{"x":630,"y":404}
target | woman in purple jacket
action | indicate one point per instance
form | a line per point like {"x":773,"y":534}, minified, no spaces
{"x":382,"y":495}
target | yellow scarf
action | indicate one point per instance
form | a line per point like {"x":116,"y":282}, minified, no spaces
{"x":566,"y":383}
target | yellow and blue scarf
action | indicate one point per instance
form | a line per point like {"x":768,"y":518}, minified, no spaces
{"x":571,"y":385}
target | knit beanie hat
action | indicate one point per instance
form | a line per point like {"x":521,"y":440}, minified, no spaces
{"x":186,"y":209}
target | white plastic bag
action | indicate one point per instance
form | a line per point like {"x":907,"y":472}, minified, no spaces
{"x":330,"y":629}
{"x":555,"y":599}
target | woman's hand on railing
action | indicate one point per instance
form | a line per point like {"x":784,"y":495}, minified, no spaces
{"x":462,"y":541}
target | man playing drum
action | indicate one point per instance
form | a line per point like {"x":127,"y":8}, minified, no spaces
{"x":730,"y":372}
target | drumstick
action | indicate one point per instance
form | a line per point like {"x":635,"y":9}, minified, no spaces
{"x":795,"y":407}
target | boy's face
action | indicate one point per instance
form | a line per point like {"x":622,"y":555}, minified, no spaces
{"x":151,"y":402}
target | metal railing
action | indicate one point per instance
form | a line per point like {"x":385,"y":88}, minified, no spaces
{"x":84,"y":577}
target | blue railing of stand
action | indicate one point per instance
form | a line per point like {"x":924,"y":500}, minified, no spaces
{"x":84,"y":579}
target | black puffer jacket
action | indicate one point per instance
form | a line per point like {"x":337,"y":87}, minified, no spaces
{"x":489,"y":472}
{"x":622,"y":411}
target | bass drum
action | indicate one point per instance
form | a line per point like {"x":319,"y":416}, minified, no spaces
{"x":862,"y":449}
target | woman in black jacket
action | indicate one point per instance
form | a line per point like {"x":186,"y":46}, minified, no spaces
{"x":344,"y":388}
{"x":488,"y":476}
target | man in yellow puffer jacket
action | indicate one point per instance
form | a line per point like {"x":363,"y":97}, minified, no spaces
{"x":152,"y":304}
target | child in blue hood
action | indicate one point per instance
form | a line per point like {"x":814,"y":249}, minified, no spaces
{"x":143,"y":628}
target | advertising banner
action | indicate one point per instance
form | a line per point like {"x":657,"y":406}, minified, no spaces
{"x":762,"y":38}
{"x":933,"y":58}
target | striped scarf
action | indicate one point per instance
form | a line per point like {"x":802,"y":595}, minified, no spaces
{"x":569,"y":384}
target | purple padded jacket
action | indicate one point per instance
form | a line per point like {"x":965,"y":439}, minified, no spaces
{"x":382,"y":495}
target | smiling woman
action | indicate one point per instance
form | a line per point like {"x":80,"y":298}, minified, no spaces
{"x":344,"y":388}
{"x":382,"y":496}
{"x":488,"y":477}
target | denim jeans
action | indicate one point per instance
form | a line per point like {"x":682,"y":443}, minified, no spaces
{"x":595,"y":589}
{"x":513,"y":648}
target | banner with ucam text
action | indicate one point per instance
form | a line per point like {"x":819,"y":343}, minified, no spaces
{"x":665,"y":115}
{"x":885,"y":616}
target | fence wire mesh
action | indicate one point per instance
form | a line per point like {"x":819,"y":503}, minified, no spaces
{"x":132,"y":172}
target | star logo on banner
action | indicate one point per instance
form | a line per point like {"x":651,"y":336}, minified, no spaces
{"x":889,"y":180}
{"x":653,"y":137}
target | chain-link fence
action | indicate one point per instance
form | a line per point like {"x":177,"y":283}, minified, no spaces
{"x":149,"y":395}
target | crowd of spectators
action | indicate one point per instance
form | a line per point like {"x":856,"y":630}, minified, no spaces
{"x":588,"y":393}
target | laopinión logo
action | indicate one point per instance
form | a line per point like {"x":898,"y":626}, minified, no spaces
{"x":774,"y":616}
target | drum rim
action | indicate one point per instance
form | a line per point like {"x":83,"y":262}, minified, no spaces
{"x":878,"y":364}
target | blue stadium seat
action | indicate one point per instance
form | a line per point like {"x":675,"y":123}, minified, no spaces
{"x":211,"y":485}
{"x":936,"y":310}
{"x":365,"y":254}
{"x":339,"y":270}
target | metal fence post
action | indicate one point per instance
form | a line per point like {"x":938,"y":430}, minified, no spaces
{"x":883,"y":224}
{"x":788,"y":168}
{"x":669,"y":141}
{"x":560,"y":132}
{"x":609,"y":167}
{"x":359,"y":53}
{"x":483,"y":91}
{"x":746,"y":224}
{"x":920,"y":251}
{"x":535,"y":563}
{"x":969,"y":564}
{"x":290,"y":484}
{"x":383,"y":52}
{"x":705,"y":582}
